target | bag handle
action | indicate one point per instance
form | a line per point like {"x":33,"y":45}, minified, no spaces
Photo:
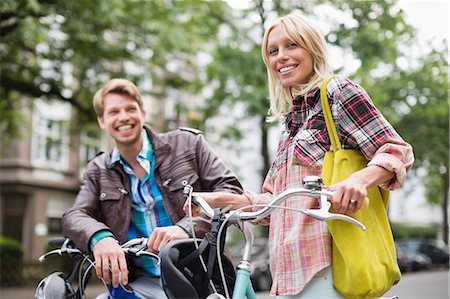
{"x":331,"y":127}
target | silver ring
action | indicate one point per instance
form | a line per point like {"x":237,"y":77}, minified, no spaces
{"x":353,"y":203}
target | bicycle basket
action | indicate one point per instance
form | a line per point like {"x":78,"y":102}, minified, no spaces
{"x":183,"y":279}
{"x":54,"y":286}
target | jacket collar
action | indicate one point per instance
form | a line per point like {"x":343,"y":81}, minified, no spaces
{"x":161,"y":148}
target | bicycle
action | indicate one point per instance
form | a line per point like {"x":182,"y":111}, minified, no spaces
{"x":59,"y":285}
{"x":313,"y":187}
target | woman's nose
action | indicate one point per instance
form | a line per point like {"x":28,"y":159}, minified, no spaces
{"x":282,"y":55}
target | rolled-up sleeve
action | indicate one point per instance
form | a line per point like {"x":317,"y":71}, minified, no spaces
{"x":396,"y":157}
{"x":362,"y":126}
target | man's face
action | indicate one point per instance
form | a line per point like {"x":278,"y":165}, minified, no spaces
{"x":122,"y":119}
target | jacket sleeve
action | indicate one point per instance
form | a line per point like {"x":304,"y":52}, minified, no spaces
{"x":80,"y":223}
{"x":214,"y":174}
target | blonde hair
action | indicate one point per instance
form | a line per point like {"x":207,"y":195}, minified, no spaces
{"x":119,"y":86}
{"x":307,"y":36}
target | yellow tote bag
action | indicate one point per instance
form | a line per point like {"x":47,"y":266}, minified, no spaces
{"x":364,"y":262}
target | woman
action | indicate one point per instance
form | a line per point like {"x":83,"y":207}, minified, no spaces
{"x":294,"y":53}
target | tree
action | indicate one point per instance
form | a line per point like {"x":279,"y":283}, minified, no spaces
{"x":65,"y":50}
{"x":419,"y":108}
{"x":374,"y":36}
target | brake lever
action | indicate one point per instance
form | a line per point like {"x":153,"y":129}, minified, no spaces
{"x":323,"y":213}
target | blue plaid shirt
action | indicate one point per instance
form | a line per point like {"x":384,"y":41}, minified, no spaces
{"x":147,"y":203}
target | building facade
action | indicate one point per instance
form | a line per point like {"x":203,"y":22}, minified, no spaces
{"x":40,"y":175}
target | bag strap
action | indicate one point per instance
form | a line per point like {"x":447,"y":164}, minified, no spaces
{"x":331,"y":127}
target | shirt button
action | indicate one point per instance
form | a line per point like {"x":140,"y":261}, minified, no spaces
{"x":102,"y":195}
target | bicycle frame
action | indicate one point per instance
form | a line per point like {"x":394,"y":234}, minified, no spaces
{"x":243,"y":287}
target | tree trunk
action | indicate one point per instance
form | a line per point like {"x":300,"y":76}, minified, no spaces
{"x":264,"y":149}
{"x":445,"y":178}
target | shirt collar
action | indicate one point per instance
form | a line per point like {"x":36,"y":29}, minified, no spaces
{"x":146,"y":145}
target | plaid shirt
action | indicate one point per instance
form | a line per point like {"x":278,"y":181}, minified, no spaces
{"x":301,"y":244}
{"x":147,"y":204}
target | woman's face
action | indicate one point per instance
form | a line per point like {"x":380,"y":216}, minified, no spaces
{"x":292,"y":64}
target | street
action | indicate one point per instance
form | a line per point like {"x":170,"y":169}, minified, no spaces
{"x":422,"y":285}
{"x":418,"y":285}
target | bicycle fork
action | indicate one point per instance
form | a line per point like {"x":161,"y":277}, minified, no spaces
{"x":243,"y":286}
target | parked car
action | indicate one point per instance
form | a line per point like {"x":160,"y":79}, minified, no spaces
{"x":409,"y":261}
{"x":439,"y":254}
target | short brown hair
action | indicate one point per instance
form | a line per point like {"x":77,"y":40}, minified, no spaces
{"x":120,"y":86}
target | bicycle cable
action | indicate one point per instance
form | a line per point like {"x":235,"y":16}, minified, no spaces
{"x":191,"y":222}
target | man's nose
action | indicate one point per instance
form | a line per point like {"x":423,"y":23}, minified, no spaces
{"x":123,"y":115}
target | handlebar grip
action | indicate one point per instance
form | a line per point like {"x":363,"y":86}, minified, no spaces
{"x":56,"y":242}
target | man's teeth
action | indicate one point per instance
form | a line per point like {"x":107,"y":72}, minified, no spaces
{"x":123,"y":128}
{"x":287,"y":68}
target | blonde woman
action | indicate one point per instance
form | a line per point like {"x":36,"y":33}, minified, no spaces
{"x":294,"y":52}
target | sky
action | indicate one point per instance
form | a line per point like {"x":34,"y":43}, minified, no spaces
{"x":429,"y":17}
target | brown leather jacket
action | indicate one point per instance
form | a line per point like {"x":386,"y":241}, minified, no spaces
{"x":104,"y":203}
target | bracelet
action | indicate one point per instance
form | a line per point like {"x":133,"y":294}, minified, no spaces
{"x":187,"y":233}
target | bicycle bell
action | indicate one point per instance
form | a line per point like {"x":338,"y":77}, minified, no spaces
{"x":312,"y":182}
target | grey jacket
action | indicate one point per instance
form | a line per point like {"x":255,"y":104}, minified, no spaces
{"x":104,"y":203}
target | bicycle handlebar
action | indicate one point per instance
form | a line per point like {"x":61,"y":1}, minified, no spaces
{"x":315,"y":189}
{"x":136,"y":247}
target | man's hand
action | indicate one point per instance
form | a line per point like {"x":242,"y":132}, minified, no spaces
{"x":163,"y":235}
{"x":110,"y":257}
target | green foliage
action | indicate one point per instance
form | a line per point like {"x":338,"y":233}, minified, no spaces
{"x":66,"y":50}
{"x":413,"y":232}
{"x":11,"y":254}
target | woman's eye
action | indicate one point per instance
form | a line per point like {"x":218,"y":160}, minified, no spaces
{"x":292,"y":45}
{"x":273,"y":51}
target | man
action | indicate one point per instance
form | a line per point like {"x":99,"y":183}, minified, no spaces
{"x":137,"y":190}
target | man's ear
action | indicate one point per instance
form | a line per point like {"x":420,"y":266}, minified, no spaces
{"x":101,"y":122}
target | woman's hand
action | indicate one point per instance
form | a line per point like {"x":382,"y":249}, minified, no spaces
{"x":350,"y":194}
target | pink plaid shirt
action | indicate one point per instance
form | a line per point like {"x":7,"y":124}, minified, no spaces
{"x":300,"y":246}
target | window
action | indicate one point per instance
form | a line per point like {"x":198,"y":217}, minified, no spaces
{"x":54,"y":226}
{"x":89,"y":148}
{"x":50,"y":142}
